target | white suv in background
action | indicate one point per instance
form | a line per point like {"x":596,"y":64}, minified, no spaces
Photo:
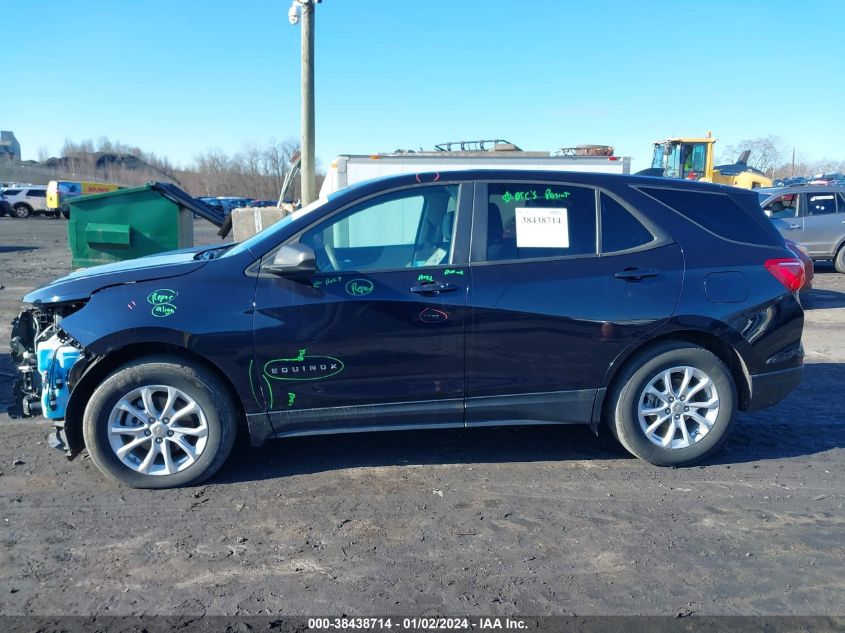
{"x":27,"y":200}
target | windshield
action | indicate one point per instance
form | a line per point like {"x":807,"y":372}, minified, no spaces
{"x":681,"y":160}
{"x":667,"y":158}
{"x":275,"y":228}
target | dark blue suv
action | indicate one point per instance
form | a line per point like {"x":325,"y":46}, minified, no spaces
{"x":653,"y":309}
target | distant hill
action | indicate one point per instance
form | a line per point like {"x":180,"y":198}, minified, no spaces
{"x":258,"y":172}
{"x":100,"y":160}
{"x":120,"y":168}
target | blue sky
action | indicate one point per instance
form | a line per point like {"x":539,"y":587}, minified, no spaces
{"x":178,"y":77}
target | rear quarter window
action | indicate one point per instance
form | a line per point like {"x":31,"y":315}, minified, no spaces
{"x":620,"y":231}
{"x":719,"y":214}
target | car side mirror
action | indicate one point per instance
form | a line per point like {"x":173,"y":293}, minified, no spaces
{"x":292,"y":259}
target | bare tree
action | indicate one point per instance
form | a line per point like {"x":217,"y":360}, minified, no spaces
{"x":766,"y":152}
{"x":258,"y":171}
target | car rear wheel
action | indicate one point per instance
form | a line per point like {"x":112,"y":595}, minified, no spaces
{"x":22,"y":211}
{"x":839,"y":260}
{"x":159,"y":423}
{"x":674,"y":404}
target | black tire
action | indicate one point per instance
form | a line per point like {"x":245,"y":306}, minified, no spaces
{"x":22,"y":211}
{"x":839,"y":260}
{"x":207,"y":390}
{"x":624,"y":400}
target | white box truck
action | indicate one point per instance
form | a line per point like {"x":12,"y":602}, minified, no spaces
{"x":348,"y":169}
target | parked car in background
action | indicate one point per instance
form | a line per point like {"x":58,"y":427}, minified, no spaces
{"x":809,"y":269}
{"x":789,"y":182}
{"x":813,"y":216}
{"x":263,"y":203}
{"x":5,"y":207}
{"x":214,"y":203}
{"x":652,"y":309}
{"x":26,"y":201}
{"x":233,"y":202}
{"x":828,"y":179}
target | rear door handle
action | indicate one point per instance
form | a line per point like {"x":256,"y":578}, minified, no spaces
{"x":798,"y":226}
{"x":433,"y":289}
{"x":635,"y":274}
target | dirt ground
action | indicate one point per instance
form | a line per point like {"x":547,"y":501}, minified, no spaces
{"x":496,"y":521}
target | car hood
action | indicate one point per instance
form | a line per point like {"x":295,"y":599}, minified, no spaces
{"x":81,"y":284}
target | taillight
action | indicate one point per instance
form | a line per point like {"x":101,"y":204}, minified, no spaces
{"x":788,"y":271}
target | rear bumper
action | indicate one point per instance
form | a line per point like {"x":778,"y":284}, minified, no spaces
{"x":772,"y":387}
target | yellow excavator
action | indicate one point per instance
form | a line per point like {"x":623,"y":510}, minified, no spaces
{"x":692,"y":159}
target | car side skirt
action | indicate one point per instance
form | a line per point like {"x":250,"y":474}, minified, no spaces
{"x":557,"y":407}
{"x":552,"y":407}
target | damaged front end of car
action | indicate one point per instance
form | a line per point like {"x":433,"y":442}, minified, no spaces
{"x":49,"y":363}
{"x":69,"y":326}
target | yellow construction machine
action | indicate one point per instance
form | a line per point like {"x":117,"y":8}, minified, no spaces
{"x":692,"y":159}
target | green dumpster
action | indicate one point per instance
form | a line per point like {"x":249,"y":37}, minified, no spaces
{"x":128,"y":223}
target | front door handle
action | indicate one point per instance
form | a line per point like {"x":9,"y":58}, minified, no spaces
{"x":798,"y":226}
{"x":635,"y":274}
{"x":433,"y":289}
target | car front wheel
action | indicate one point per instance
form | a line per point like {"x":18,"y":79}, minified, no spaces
{"x":159,"y":423}
{"x":674,"y":404}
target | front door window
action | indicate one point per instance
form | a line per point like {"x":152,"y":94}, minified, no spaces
{"x":408,"y":229}
{"x":785,"y":206}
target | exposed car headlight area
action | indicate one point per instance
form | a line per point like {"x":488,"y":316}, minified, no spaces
{"x":44,"y":355}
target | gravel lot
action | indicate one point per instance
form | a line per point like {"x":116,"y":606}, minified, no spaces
{"x":521,"y":520}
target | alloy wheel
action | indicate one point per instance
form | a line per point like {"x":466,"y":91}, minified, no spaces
{"x":678,"y":407}
{"x":157,"y":430}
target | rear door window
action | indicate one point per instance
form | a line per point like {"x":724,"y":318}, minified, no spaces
{"x":36,"y":193}
{"x":538,"y":220}
{"x":821,"y":203}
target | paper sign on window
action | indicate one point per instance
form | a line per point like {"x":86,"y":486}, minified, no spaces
{"x":542,"y":228}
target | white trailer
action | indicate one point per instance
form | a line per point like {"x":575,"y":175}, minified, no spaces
{"x":349,"y":169}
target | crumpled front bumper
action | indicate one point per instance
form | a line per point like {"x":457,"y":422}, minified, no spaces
{"x":45,"y":358}
{"x":26,"y":390}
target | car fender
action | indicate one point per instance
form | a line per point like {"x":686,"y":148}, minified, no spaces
{"x":705,"y":331}
{"x":183,"y":315}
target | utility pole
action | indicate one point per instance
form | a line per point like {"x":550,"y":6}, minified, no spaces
{"x":306,"y":8}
